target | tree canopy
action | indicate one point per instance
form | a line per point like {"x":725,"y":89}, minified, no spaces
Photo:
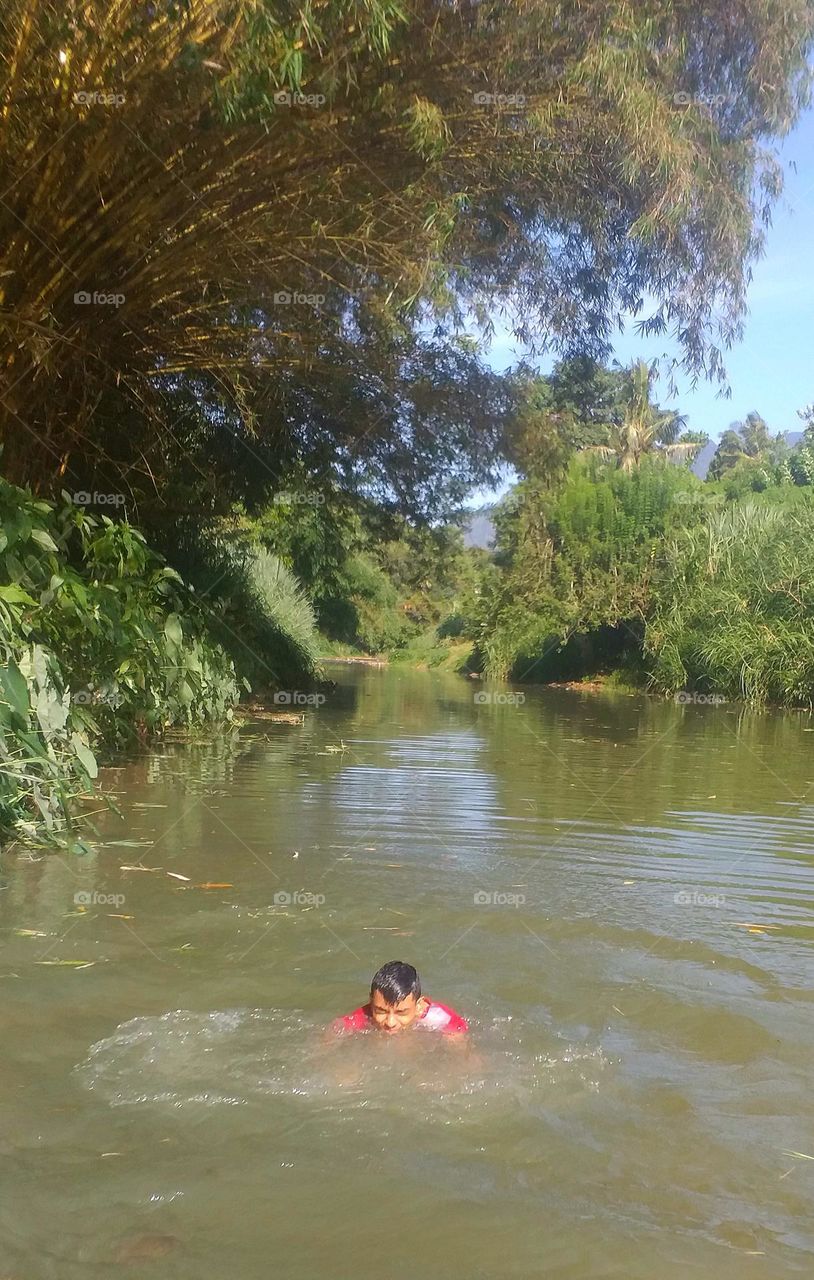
{"x":214,"y":211}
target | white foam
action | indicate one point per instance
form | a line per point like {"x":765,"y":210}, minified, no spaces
{"x":184,"y":1059}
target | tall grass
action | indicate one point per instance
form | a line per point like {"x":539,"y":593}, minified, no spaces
{"x":289,"y":614}
{"x":256,"y":606}
{"x":733,"y":609}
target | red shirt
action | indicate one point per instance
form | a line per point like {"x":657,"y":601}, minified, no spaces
{"x":436,"y":1017}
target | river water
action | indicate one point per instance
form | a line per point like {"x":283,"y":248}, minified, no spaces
{"x":616,"y":891}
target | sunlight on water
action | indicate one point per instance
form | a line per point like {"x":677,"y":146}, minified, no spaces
{"x":615,"y":892}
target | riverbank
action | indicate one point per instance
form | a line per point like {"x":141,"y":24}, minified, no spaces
{"x":103,"y":645}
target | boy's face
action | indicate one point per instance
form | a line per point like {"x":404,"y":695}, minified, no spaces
{"x":392,"y":1018}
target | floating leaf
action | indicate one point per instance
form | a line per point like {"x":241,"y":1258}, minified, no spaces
{"x":126,"y":844}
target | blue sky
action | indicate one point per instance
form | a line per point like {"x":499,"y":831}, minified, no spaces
{"x":772,"y":369}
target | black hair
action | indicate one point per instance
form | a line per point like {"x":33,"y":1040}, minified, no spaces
{"x":396,"y":981}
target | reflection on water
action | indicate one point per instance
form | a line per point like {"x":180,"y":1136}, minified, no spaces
{"x":616,"y":892}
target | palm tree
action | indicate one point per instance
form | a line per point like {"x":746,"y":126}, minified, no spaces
{"x":645,"y":428}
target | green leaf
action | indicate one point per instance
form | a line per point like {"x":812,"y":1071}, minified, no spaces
{"x":16,"y":595}
{"x":173,"y":629}
{"x":44,"y":539}
{"x":14,"y":690}
{"x":85,"y":756}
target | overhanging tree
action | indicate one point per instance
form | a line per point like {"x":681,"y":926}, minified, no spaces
{"x":619,"y":155}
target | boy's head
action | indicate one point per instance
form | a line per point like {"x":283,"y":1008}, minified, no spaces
{"x":395,"y":997}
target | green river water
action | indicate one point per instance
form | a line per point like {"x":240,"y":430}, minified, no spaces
{"x":616,"y":891}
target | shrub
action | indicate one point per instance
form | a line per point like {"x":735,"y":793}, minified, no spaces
{"x":100,"y":642}
{"x":734,"y":604}
{"x":255,"y":605}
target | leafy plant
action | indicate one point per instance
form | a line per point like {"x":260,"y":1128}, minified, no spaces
{"x":100,"y":643}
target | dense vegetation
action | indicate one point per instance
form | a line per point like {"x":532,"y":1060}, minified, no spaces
{"x":248,"y":253}
{"x":295,"y":208}
{"x":611,"y":557}
{"x":101,"y":642}
{"x":733,"y":610}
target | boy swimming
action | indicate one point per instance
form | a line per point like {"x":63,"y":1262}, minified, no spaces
{"x":396,"y":1004}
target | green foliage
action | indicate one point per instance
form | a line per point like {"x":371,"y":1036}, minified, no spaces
{"x":571,"y":408}
{"x":643,"y":427}
{"x":729,"y":452}
{"x":578,"y":558}
{"x":255,"y":606}
{"x":801,"y":465}
{"x":733,"y":610}
{"x":748,"y":441}
{"x":376,"y":581}
{"x":100,"y":641}
{"x":621,"y":166}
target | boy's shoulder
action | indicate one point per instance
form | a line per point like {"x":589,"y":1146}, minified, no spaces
{"x":440,"y":1017}
{"x":359,"y":1020}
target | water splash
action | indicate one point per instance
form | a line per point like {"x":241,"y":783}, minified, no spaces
{"x":185,"y":1059}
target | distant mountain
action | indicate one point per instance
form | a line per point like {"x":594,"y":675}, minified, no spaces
{"x":478,"y":530}
{"x":700,"y":466}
